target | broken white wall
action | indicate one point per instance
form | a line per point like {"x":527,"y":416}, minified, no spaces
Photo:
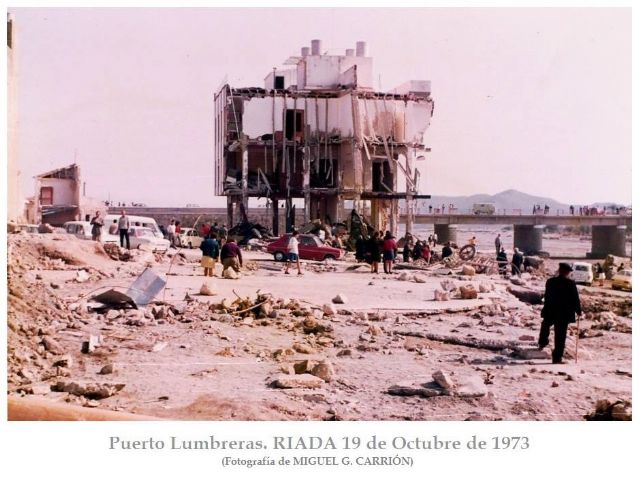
{"x":405,"y":121}
{"x":290,"y":78}
{"x":315,"y":72}
{"x":64,"y":190}
{"x":257,"y":118}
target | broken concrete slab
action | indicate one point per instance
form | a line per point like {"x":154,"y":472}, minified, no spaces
{"x":298,"y":381}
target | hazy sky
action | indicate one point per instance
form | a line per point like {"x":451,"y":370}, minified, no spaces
{"x":535,"y":100}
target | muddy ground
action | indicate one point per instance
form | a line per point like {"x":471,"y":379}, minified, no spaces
{"x":297,"y":356}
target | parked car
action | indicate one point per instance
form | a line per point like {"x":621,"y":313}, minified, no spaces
{"x":143,"y":237}
{"x":190,"y":237}
{"x":622,"y":280}
{"x":310,"y":247}
{"x":582,"y":273}
{"x":82,"y":230}
{"x":137,"y":221}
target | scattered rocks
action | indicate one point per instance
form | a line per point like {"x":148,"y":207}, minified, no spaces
{"x":439,"y":295}
{"x":403,"y":276}
{"x":303,"y":348}
{"x":81,"y":276}
{"x":340,"y":299}
{"x":448,"y":285}
{"x":207,"y":289}
{"x":472,"y":386}
{"x":297,"y":381}
{"x":324,"y":370}
{"x":52,"y":346}
{"x":468,"y":270}
{"x":531,"y":354}
{"x":90,"y":390}
{"x":607,"y":410}
{"x":485,"y":287}
{"x":108,"y":369}
{"x":468,"y":292}
{"x":230,"y":274}
{"x":92,"y":344}
{"x":112,"y":314}
{"x":443,"y":379}
{"x":532,"y":297}
{"x":419,"y":279}
{"x":158,"y":347}
{"x":329,"y":309}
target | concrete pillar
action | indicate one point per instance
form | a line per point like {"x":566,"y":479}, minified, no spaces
{"x":333,"y":208}
{"x":446,"y":232}
{"x":608,"y":240}
{"x":289,"y":215}
{"x":245,"y":173}
{"x":528,"y":238}
{"x":275,"y":224}
{"x":229,"y":212}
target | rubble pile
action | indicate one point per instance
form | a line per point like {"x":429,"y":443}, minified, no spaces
{"x":607,"y":410}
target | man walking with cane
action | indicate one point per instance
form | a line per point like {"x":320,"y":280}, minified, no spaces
{"x":561,"y":304}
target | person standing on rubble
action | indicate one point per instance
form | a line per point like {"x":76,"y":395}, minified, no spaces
{"x":561,"y":304}
{"x":231,"y":256}
{"x":293,"y":256}
{"x":113,"y":228}
{"x":223,"y":233}
{"x":426,"y":253}
{"x":96,"y":227}
{"x":373,"y":251}
{"x":210,"y":253}
{"x":123,"y":229}
{"x":516,"y":262}
{"x":176,"y":236}
{"x":434,"y":238}
{"x":171,"y":232}
{"x":498,"y":244}
{"x":406,"y":249}
{"x":389,"y":251}
{"x":503,"y":261}
{"x":446,"y":250}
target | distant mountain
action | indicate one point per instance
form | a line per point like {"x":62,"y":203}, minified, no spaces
{"x":508,"y":200}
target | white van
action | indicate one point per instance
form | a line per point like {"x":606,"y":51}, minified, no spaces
{"x":484,"y":209}
{"x":148,"y":222}
{"x":582,"y":273}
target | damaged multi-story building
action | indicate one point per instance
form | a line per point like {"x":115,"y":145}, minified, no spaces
{"x":319,"y":131}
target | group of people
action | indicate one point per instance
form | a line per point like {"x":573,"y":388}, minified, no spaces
{"x":585,"y":210}
{"x":120,"y":225}
{"x":378,"y":246}
{"x":537,"y":209}
{"x":216,"y":250}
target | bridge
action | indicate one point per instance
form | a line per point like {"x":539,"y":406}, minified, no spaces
{"x":608,"y":233}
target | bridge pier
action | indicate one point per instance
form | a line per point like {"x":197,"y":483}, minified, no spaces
{"x":527,"y":238}
{"x":608,"y":240}
{"x":446,"y":232}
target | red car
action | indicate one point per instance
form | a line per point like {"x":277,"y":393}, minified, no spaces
{"x":310,"y":247}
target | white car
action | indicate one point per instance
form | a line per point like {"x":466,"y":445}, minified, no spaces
{"x":582,"y":273}
{"x":82,"y":230}
{"x":190,"y":238}
{"x":144,"y":238}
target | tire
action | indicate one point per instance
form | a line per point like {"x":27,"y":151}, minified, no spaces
{"x":329,"y":257}
{"x":279,"y":256}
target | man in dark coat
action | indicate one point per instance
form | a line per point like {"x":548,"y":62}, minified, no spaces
{"x":561,"y":303}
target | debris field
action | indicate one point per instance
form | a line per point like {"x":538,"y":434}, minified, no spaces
{"x":337,"y":343}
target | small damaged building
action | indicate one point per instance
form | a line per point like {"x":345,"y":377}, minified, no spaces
{"x":59,"y":197}
{"x":319,"y":131}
